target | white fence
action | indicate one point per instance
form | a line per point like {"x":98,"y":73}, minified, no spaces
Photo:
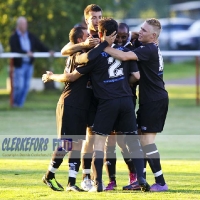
{"x":184,"y":54}
{"x":58,"y":54}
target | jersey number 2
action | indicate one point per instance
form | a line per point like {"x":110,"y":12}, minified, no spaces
{"x":114,"y":70}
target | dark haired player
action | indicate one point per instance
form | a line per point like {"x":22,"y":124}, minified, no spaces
{"x":110,"y":79}
{"x":71,"y":116}
{"x":122,"y":39}
{"x":92,"y":15}
{"x":153,"y":98}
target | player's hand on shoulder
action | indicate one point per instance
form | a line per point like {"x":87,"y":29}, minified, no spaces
{"x":110,"y":38}
{"x":134,"y":35}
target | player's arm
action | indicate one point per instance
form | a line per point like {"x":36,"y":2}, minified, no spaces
{"x":66,"y":77}
{"x":120,"y":55}
{"x":134,"y":77}
{"x":90,"y":55}
{"x":71,"y":48}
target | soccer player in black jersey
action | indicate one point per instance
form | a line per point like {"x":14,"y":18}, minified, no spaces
{"x":71,"y":117}
{"x":122,"y":39}
{"x":153,"y":98}
{"x":92,"y":15}
{"x":110,"y":79}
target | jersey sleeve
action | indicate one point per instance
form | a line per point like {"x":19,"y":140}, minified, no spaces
{"x":142,"y":53}
{"x":85,"y":69}
{"x":92,"y":54}
{"x":133,"y":67}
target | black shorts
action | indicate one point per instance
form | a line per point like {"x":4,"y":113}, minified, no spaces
{"x":92,"y":111}
{"x":110,"y":111}
{"x":71,"y":122}
{"x":151,"y":116}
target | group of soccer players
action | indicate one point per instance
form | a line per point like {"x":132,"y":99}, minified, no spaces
{"x":100,"y":94}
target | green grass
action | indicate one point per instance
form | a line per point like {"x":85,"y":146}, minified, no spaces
{"x":180,"y":70}
{"x":178,"y":145}
{"x":21,"y":179}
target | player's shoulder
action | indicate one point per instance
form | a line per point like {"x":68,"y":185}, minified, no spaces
{"x":130,"y":46}
{"x":149,"y":47}
{"x":152,"y":46}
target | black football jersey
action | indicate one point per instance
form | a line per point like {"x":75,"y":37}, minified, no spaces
{"x":110,"y":76}
{"x":76,"y":94}
{"x":150,"y":63}
{"x":131,"y":46}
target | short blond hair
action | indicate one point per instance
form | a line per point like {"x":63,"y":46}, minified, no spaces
{"x":155,"y":24}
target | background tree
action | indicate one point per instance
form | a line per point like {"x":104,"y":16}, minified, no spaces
{"x":51,"y":20}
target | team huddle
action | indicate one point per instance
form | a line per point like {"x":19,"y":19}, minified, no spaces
{"x":105,"y":65}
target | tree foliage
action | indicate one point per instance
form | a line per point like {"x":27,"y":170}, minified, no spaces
{"x":50,"y":20}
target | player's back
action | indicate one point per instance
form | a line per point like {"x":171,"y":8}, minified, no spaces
{"x":110,"y":76}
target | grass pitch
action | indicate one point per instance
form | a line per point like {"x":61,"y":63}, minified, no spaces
{"x":178,"y":145}
{"x":21,"y":179}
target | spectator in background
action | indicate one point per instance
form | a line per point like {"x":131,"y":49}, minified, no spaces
{"x":22,"y":41}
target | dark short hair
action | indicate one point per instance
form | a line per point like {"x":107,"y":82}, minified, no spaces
{"x":75,"y":33}
{"x":92,"y":7}
{"x":109,"y":25}
{"x":123,"y":25}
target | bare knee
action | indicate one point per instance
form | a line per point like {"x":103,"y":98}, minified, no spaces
{"x":147,"y":138}
{"x":111,"y":140}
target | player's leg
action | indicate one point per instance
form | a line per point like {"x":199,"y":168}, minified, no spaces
{"x":87,"y":147}
{"x":127,"y":125}
{"x":140,"y":133}
{"x":106,"y":115}
{"x":110,"y":160}
{"x":86,"y":160}
{"x":127,"y":159}
{"x":58,"y":154}
{"x":76,"y":128}
{"x":97,"y":162}
{"x":74,"y":164}
{"x":153,"y":158}
{"x":153,"y":116}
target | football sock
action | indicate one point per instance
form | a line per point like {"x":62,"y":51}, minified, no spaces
{"x":128,"y":161}
{"x":98,"y":166}
{"x":136,"y":153}
{"x":153,"y":158}
{"x":74,"y":164}
{"x":110,"y":162}
{"x":145,"y":163}
{"x":56,"y":161}
{"x":86,"y":160}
